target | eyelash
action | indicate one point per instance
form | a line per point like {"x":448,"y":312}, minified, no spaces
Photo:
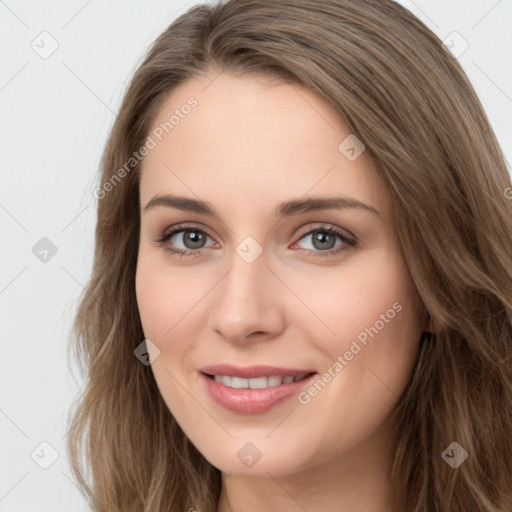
{"x":348,"y":242}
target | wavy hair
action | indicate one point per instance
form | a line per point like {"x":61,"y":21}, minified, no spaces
{"x":405,"y":96}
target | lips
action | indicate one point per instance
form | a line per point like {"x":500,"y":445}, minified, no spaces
{"x":254,"y":389}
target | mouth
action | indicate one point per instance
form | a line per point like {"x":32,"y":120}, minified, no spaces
{"x":255,"y":389}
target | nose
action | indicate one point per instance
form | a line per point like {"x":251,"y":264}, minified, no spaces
{"x":248,"y":303}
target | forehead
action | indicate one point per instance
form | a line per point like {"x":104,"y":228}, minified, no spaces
{"x":255,"y":139}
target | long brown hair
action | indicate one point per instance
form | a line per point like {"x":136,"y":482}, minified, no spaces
{"x":404,"y":95}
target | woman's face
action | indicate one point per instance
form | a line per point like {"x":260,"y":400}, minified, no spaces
{"x":293,"y":268}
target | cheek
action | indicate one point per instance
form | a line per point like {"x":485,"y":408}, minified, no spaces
{"x":164,"y":296}
{"x":349,"y":301}
{"x":155,"y":301}
{"x":368,"y":360}
{"x":371,"y":317}
{"x":163,"y":302}
{"x":171,"y":305}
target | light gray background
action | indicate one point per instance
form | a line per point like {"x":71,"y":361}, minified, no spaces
{"x":55,"y":114}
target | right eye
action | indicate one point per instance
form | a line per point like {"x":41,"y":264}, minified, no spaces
{"x":192,"y":237}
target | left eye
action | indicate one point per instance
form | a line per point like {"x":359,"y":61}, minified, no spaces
{"x":193,"y":238}
{"x":325,"y":239}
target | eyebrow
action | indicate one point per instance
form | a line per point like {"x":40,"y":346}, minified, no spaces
{"x":286,"y":209}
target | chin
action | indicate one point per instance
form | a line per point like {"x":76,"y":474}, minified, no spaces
{"x":255,"y":456}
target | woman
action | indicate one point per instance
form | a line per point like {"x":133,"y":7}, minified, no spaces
{"x":301,"y":294}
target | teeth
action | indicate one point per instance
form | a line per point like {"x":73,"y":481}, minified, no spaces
{"x":256,"y":383}
{"x":274,"y":381}
{"x":259,"y":383}
{"x":238,"y":382}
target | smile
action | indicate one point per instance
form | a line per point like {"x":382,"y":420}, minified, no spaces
{"x":254,"y":389}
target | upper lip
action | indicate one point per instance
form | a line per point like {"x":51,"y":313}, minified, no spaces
{"x":252,"y":372}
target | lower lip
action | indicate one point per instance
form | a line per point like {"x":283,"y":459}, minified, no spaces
{"x":252,"y":401}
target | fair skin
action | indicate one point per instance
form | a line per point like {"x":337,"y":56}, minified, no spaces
{"x":247,"y":146}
